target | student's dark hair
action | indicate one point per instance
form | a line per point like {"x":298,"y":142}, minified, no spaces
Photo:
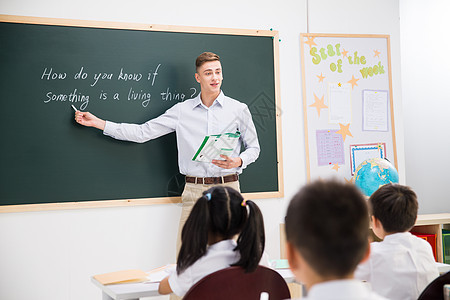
{"x":328,"y":223}
{"x":205,"y":57}
{"x":220,"y":212}
{"x":395,"y":206}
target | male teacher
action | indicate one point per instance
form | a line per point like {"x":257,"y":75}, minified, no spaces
{"x":211,"y":112}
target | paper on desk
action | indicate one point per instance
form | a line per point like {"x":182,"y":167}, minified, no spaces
{"x":125,"y":276}
{"x":158,"y":274}
{"x":279,"y":264}
{"x":215,"y":145}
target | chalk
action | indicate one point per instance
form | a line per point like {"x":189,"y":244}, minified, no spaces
{"x":74,"y":108}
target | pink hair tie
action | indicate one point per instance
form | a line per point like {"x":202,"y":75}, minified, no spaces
{"x":244,"y":202}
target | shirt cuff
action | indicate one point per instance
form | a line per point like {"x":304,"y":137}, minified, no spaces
{"x":243,"y":157}
{"x":110,"y":128}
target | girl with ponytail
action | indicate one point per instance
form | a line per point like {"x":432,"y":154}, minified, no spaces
{"x":207,"y":243}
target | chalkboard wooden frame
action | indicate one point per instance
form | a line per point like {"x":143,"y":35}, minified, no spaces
{"x":313,"y":107}
{"x":162,"y":28}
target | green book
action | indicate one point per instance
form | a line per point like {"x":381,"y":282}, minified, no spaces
{"x":446,"y":245}
{"x":215,"y":145}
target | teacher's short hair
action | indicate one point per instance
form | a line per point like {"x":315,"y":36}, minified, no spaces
{"x":205,"y":57}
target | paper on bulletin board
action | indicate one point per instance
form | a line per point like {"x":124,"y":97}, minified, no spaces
{"x":361,"y":152}
{"x":339,"y":103}
{"x":330,"y":147}
{"x":375,"y":110}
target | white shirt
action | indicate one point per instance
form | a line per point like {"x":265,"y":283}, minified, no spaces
{"x":192,"y":121}
{"x":349,"y":289}
{"x":218,"y":256}
{"x":399,"y":267}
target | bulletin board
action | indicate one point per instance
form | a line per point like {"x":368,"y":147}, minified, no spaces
{"x":347,"y":103}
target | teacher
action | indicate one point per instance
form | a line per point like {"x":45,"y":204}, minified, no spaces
{"x":210,"y":113}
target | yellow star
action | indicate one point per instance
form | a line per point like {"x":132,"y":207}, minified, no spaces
{"x":377,"y":53}
{"x":318,"y":104}
{"x":310,"y":41}
{"x":321,"y":77}
{"x":353,"y":81}
{"x":348,"y":180}
{"x":335,"y":167}
{"x":339,"y":84}
{"x":344,"y":131}
{"x":344,"y":53}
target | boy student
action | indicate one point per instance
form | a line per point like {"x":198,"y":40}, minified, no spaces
{"x":211,"y":112}
{"x":402,"y":265}
{"x":327,"y":227}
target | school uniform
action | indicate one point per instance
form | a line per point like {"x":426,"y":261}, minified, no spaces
{"x":399,"y":267}
{"x":348,"y":289}
{"x":218,"y":256}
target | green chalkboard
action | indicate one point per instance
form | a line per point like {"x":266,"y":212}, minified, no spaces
{"x":122,"y":75}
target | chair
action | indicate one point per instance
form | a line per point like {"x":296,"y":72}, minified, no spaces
{"x":435,"y":290}
{"x":234,"y":283}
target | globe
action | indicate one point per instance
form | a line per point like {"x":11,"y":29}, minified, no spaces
{"x":373,"y":173}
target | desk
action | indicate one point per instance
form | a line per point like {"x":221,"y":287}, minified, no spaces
{"x":443,"y":268}
{"x":129,"y":291}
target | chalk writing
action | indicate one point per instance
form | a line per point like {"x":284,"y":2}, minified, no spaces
{"x":50,"y":75}
{"x":97,"y":78}
{"x":73,"y":97}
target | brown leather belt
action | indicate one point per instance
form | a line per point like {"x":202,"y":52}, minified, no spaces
{"x":212,"y":180}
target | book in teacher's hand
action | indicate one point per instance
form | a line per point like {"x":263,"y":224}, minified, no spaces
{"x":215,"y":145}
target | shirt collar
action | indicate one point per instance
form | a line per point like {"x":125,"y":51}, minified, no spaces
{"x":345,"y":287}
{"x":220,"y":100}
{"x":223,"y":245}
{"x":395,"y":236}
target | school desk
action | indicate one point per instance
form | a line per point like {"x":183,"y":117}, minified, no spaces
{"x":133,"y":291}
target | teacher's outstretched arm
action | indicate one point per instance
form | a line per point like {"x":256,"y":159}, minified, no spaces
{"x":87,"y":119}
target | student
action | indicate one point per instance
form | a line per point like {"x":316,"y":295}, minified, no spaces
{"x":402,"y":265}
{"x":327,"y":226}
{"x":211,"y":112}
{"x":207,"y":243}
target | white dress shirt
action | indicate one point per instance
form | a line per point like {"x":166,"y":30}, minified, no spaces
{"x":348,"y":289}
{"x":399,"y":267}
{"x":218,"y":256}
{"x":192,"y":121}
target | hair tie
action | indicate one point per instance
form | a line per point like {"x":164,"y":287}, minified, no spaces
{"x":208,"y":196}
{"x":244,"y":202}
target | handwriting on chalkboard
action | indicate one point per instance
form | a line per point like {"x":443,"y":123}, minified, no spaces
{"x":123,"y":75}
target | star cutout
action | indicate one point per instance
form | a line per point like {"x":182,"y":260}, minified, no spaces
{"x":348,"y":180}
{"x":318,"y":104}
{"x":377,"y":53}
{"x":321,"y":77}
{"x":310,"y":41}
{"x":344,"y":131}
{"x":353,"y":81}
{"x":335,"y":167}
{"x":344,"y":53}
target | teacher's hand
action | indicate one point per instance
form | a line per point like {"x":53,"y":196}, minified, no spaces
{"x":87,"y":119}
{"x":228,"y":163}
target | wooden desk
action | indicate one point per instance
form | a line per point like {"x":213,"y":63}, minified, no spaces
{"x":131,"y":291}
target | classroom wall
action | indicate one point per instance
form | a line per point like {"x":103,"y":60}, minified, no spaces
{"x":52,"y":254}
{"x":425,"y":28}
